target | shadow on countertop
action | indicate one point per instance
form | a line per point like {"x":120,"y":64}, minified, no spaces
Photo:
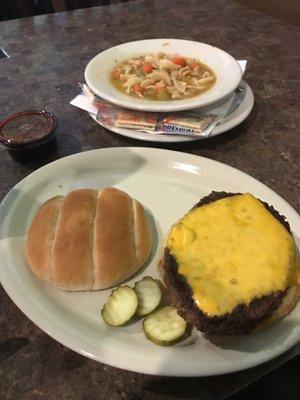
{"x":280,"y":384}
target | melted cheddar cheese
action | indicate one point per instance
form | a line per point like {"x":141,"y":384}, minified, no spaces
{"x":232,"y":251}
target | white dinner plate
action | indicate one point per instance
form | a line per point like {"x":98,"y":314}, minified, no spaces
{"x":233,"y":119}
{"x":227,"y":69}
{"x":168,"y":183}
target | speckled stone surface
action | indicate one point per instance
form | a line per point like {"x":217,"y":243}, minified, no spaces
{"x":48,"y":56}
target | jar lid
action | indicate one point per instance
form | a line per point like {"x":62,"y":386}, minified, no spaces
{"x":27,"y":129}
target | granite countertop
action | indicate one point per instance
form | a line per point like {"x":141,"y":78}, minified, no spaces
{"x":48,"y":55}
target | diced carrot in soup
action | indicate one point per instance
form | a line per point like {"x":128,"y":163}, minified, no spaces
{"x":179,"y":61}
{"x":116,"y":74}
{"x":194,"y":64}
{"x":147,"y":68}
{"x":137,"y":88}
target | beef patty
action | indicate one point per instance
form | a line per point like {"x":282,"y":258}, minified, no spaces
{"x":242,"y":319}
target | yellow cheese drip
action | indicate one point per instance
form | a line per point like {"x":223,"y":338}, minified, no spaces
{"x":232,"y":251}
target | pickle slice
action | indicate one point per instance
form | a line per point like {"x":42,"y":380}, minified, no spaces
{"x":120,"y":307}
{"x":164,"y":326}
{"x":149,"y":295}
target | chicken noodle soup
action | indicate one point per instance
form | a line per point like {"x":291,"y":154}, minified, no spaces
{"x":160,"y":76}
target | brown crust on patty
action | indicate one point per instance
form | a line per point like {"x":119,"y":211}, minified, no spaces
{"x":242,"y":319}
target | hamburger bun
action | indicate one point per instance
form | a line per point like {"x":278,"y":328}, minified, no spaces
{"x":89,"y":239}
{"x":222,"y":308}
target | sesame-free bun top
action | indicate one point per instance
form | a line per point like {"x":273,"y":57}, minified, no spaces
{"x":89,"y":239}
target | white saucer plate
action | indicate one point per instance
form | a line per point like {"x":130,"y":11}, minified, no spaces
{"x":229,"y":122}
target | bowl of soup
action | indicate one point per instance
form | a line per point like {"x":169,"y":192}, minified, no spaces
{"x":163,"y":75}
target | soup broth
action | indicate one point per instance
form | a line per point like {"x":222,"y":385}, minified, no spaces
{"x":161,"y":76}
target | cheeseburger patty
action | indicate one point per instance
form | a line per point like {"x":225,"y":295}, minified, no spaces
{"x":243,"y":318}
